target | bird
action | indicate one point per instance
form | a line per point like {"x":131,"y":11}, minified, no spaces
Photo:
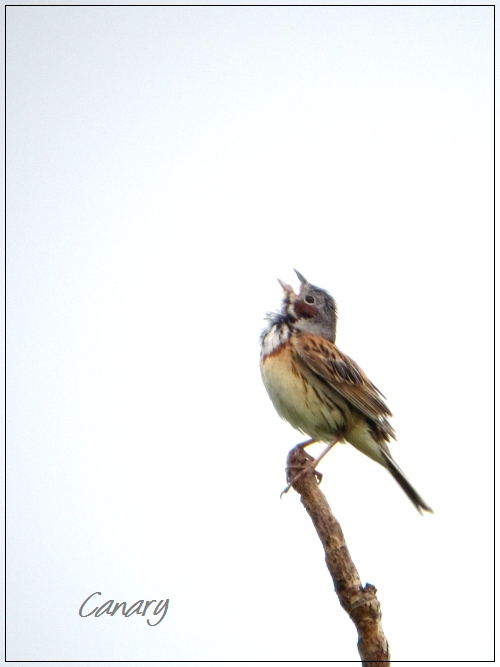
{"x":318,"y":389}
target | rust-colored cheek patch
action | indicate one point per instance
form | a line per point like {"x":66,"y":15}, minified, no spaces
{"x":305,"y":310}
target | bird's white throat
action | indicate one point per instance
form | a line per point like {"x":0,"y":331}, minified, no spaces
{"x":274,"y":336}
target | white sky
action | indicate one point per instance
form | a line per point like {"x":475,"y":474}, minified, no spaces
{"x":165,"y":166}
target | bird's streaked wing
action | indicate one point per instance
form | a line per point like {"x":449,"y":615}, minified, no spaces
{"x":341,"y":373}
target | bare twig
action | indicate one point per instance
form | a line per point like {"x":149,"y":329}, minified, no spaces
{"x":359,"y":602}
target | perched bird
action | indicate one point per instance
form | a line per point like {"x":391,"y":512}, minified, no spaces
{"x":319,"y":389}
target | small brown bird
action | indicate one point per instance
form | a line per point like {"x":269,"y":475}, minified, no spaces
{"x":318,"y":389}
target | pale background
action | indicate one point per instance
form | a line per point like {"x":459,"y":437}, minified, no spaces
{"x":165,"y":166}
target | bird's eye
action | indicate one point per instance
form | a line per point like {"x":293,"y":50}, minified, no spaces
{"x":309,"y":299}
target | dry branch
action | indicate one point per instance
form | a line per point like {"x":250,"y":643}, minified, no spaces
{"x":359,"y":602}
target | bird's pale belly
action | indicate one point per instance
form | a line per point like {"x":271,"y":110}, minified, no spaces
{"x":296,"y":401}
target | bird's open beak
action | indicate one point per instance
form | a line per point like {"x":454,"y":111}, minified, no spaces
{"x":286,"y":287}
{"x":300,"y":277}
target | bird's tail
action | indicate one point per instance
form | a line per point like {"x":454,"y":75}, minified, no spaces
{"x":400,"y":478}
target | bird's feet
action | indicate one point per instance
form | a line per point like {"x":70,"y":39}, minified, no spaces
{"x":300,"y":461}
